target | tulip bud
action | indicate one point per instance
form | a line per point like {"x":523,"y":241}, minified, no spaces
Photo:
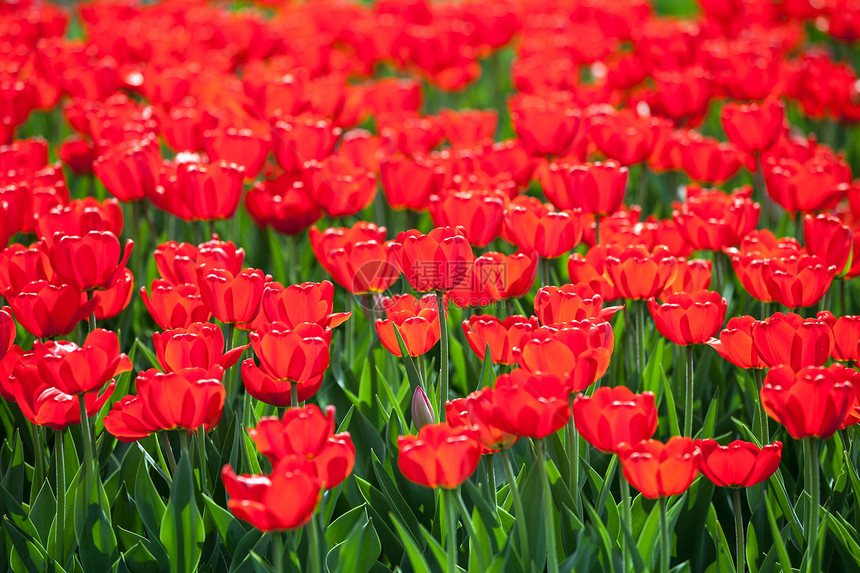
{"x":422,"y":410}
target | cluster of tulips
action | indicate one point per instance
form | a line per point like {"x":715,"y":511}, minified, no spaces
{"x":235,"y":243}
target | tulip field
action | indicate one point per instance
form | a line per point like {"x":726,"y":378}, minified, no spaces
{"x":478,"y":286}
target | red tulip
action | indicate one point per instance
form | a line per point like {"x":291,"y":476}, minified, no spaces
{"x":828,"y":239}
{"x":479,"y":213}
{"x":554,"y":305}
{"x":612,"y":417}
{"x":530,"y":405}
{"x":91,"y":261}
{"x":595,"y":188}
{"x":791,"y":340}
{"x":590,"y":269}
{"x":130,"y":170}
{"x":811,"y":403}
{"x":712,"y":220}
{"x":174,"y":306}
{"x":544,"y":127}
{"x":740,"y":464}
{"x":708,"y":160}
{"x":45,"y":405}
{"x":754,"y":127}
{"x":502,"y":336}
{"x":177,"y":262}
{"x":299,"y":139}
{"x":363,"y":267}
{"x":201,"y":345}
{"x":638,"y":274}
{"x":660,"y":470}
{"x":79,"y":217}
{"x":284,"y":500}
{"x":233,"y":299}
{"x":691,"y":275}
{"x":846,"y":335}
{"x":811,"y":185}
{"x":689,"y":318}
{"x":338,"y":186}
{"x":479,"y":407}
{"x":271,"y":390}
{"x":535,"y":226}
{"x":243,"y":147}
{"x":796,"y":282}
{"x":299,"y":354}
{"x":7,"y":331}
{"x":626,"y":136}
{"x":186,"y":399}
{"x":436,"y":261}
{"x":283,"y":203}
{"x":468,"y":127}
{"x":305,"y":302}
{"x":409,"y":182}
{"x":196,"y":190}
{"x":78,"y":370}
{"x":416,"y":320}
{"x":439,"y":456}
{"x":48,"y":310}
{"x":21,"y":265}
{"x":735,"y":343}
{"x":116,"y":297}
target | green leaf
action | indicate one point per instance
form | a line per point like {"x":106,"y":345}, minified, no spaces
{"x":778,"y":535}
{"x":229,"y":528}
{"x":43,"y":511}
{"x":486,"y":377}
{"x":358,"y":552}
{"x":93,"y":528}
{"x":670,"y":404}
{"x":711,"y":416}
{"x":413,"y":551}
{"x":182,"y":532}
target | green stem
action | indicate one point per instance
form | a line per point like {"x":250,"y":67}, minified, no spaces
{"x":39,"y":461}
{"x":688,"y":410}
{"x":313,"y":536}
{"x":573,"y":456}
{"x":626,"y":518}
{"x":443,"y":371}
{"x":811,"y":451}
{"x":764,"y":434}
{"x":665,"y":540}
{"x":491,"y":479}
{"x":292,"y":255}
{"x":597,"y":229}
{"x":474,"y":542}
{"x":183,"y":441}
{"x":549,"y":520}
{"x":278,"y":551}
{"x":168,"y":451}
{"x":201,"y":447}
{"x":739,"y":530}
{"x":60,"y":530}
{"x":451,"y":516}
{"x":91,"y":322}
{"x":294,"y":395}
{"x":544,"y":272}
{"x":640,"y":340}
{"x":518,"y":506}
{"x":89,"y":469}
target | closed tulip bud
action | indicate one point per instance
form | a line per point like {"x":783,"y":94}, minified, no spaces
{"x":422,"y":410}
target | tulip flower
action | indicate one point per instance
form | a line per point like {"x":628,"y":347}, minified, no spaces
{"x":828,"y":239}
{"x":77,"y":369}
{"x":130,"y":170}
{"x":792,"y":340}
{"x":415,"y":319}
{"x":299,"y":139}
{"x":243,"y":147}
{"x":544,"y":127}
{"x":479,"y":407}
{"x":273,"y":391}
{"x":201,"y":345}
{"x":232,"y":299}
{"x":299,"y":354}
{"x":437,"y":261}
{"x":48,"y":310}
{"x":7,"y":331}
{"x":638,"y":274}
{"x":739,"y":464}
{"x":501,"y":336}
{"x":284,"y":500}
{"x":535,"y":226}
{"x":807,"y":186}
{"x":595,"y":188}
{"x":187,"y":399}
{"x":338,"y":186}
{"x":21,"y":265}
{"x":626,"y":136}
{"x":691,"y":275}
{"x":422,"y":410}
{"x":305,"y":302}
{"x":439,"y":456}
{"x":712,"y":220}
{"x":846,"y":334}
{"x":571,"y":302}
{"x":408,"y":182}
{"x":529,"y":404}
{"x":479,"y":213}
{"x":177,"y":262}
{"x":754,"y":127}
{"x":591,"y":270}
{"x":199,"y":191}
{"x":735,"y":343}
{"x":283,"y":203}
{"x":174,"y":306}
{"x":91,"y":261}
{"x":116,"y":297}
{"x":688,"y":319}
{"x":796,"y":282}
{"x":80,"y":217}
{"x":611,"y":418}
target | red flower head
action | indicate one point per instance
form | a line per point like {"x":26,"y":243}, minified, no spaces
{"x":637,"y":274}
{"x":735,"y":343}
{"x":300,"y":139}
{"x":545,"y":127}
{"x":554,"y":305}
{"x":690,"y":275}
{"x":828,"y":239}
{"x":614,"y":416}
{"x":299,"y":354}
{"x":595,"y":188}
{"x":7,"y":331}
{"x":408,"y":182}
{"x":307,"y":434}
{"x":284,"y":204}
{"x":846,"y":334}
{"x":811,"y":403}
{"x":577,"y":353}
{"x":812,"y":185}
{"x":797,"y":281}
{"x":46,"y":310}
{"x":80,"y":369}
{"x":754,"y":127}
{"x":791,"y":340}
{"x":305,"y":302}
{"x":130,"y":170}
{"x":468,"y":127}
{"x":233,"y":299}
{"x":45,"y":405}
{"x":535,"y":226}
{"x":186,"y":399}
{"x":90,"y":261}
{"x":740,"y":464}
{"x":660,"y":470}
{"x":271,"y":390}
{"x":502,"y":336}
{"x":174,"y":306}
{"x":243,"y":147}
{"x":625,"y":136}
{"x":195,"y":190}
{"x":530,"y":405}
{"x":439,"y":456}
{"x":362,"y":267}
{"x":683,"y":94}
{"x":21,"y":265}
{"x":284,"y":500}
{"x":479,"y":408}
{"x":689,"y":318}
{"x":479,"y":213}
{"x":416,"y":319}
{"x":116,"y":297}
{"x":177,"y":262}
{"x":201,"y":345}
{"x":80,"y":217}
{"x":436,"y":261}
{"x":708,"y":160}
{"x":590,"y":269}
{"x":712,"y":220}
{"x":338,"y":186}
